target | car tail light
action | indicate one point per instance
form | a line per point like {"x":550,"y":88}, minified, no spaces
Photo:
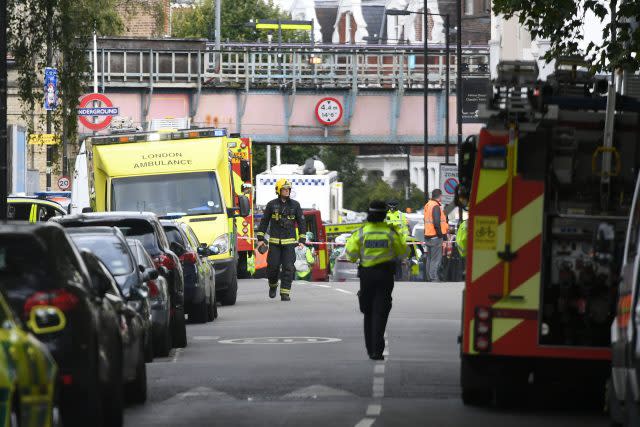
{"x":189,"y":258}
{"x":154,"y":292}
{"x":164,"y":260}
{"x":60,"y":298}
{"x":67,"y":379}
{"x":482,"y":329}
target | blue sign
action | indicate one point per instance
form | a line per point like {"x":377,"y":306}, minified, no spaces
{"x":50,"y":89}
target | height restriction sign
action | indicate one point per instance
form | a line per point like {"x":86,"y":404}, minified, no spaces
{"x":328,"y":111}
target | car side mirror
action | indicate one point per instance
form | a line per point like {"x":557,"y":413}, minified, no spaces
{"x":177,"y":248}
{"x":46,"y":319}
{"x":150,"y":274}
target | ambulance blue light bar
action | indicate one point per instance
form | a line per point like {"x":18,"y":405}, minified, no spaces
{"x":159,"y":136}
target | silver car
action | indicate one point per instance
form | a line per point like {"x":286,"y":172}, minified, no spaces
{"x":159,"y":299}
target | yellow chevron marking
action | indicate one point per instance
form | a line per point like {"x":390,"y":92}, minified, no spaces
{"x":530,"y":290}
{"x":501,"y":327}
{"x":489,"y":182}
{"x":472,"y":333}
{"x":527,"y":224}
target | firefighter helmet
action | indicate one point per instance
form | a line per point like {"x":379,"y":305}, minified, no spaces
{"x":282,"y":183}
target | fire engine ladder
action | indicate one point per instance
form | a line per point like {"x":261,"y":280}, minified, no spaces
{"x":607,"y":147}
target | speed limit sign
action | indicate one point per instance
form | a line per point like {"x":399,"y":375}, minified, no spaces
{"x":64,"y":183}
{"x":328,"y":111}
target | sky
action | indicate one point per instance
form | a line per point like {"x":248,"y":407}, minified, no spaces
{"x":284,"y":4}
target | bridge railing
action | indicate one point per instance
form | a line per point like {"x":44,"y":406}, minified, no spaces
{"x":265,"y":66}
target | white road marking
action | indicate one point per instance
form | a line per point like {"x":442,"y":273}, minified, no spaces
{"x":374,"y":410}
{"x":281,"y":340}
{"x":176,"y":355}
{"x":378,"y":381}
{"x":317,"y":391}
{"x":366,"y":422}
{"x":204,"y":338}
{"x":379,"y":369}
{"x":343,"y":291}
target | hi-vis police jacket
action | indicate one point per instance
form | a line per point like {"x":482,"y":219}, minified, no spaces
{"x":281,"y":218}
{"x":376,"y":243}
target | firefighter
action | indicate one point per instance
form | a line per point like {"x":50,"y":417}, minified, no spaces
{"x":377,"y":245}
{"x":281,"y":216}
{"x":435,"y":230}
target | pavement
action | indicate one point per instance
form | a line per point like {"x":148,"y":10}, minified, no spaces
{"x":265,"y":362}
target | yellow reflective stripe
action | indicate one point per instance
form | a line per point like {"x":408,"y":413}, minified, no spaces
{"x":259,"y":233}
{"x":284,"y":291}
{"x":278,"y":241}
{"x":33,"y":214}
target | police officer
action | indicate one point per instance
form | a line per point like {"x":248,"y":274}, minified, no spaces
{"x":377,"y":245}
{"x":281,"y":215}
{"x":397,"y":218}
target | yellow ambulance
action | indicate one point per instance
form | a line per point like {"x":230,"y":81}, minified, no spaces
{"x":184,"y":175}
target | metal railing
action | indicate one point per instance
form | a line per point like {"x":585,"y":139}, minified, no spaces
{"x":265,"y":66}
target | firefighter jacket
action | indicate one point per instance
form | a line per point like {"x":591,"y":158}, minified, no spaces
{"x":281,"y":219}
{"x":440,"y":220}
{"x":398,"y":220}
{"x":376,"y":243}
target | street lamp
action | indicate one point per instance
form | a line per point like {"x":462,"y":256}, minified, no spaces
{"x":425,"y":35}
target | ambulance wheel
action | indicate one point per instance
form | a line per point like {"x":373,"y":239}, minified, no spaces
{"x":243,"y":271}
{"x":475,"y":396}
{"x":230,"y":295}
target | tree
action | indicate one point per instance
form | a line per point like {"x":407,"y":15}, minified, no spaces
{"x":67,"y":27}
{"x":198,"y":21}
{"x":562,"y":22}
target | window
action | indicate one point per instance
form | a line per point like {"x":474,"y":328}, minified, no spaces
{"x":195,"y":193}
{"x":19,"y":211}
{"x":111,"y":251}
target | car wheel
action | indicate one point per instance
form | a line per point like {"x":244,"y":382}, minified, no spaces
{"x":199,"y":312}
{"x":211,"y":307}
{"x":179,"y":329}
{"x":14,"y":417}
{"x":113,"y":393}
{"x":230,"y":295}
{"x":136,"y":390}
{"x":148,"y":347}
{"x":163,"y":344}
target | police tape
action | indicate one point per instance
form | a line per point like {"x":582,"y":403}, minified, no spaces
{"x":329,"y":243}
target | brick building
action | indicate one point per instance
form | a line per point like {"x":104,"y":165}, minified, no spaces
{"x":146,"y":18}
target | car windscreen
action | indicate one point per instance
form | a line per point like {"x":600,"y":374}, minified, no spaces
{"x":23,"y":266}
{"x":194,"y":193}
{"x":111,"y":251}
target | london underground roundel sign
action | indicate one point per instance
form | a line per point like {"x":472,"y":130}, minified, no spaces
{"x":104,"y":112}
{"x":329,"y":111}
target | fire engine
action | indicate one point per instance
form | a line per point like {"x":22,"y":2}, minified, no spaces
{"x":549,"y":190}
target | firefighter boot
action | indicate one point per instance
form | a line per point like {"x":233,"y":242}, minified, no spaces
{"x":284,"y":294}
{"x":273,"y":289}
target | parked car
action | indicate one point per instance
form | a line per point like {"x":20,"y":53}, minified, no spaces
{"x":159,"y":298}
{"x":133,"y":370}
{"x":110,"y":246}
{"x":145,"y":227}
{"x":32,"y":209}
{"x":199,"y":273}
{"x":42,"y":267}
{"x":28,"y":397}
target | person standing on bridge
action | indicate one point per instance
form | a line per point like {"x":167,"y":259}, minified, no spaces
{"x":435,"y":229}
{"x":283,"y":217}
{"x":377,"y":245}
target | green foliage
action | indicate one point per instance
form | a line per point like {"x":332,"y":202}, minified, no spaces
{"x":198,"y":22}
{"x":68,"y":26}
{"x":561,"y":21}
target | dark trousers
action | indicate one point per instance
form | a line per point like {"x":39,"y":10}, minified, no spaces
{"x":376,"y":285}
{"x":281,"y":256}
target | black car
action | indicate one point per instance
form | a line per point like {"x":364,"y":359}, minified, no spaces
{"x":145,"y":227}
{"x":159,"y":298}
{"x":110,"y":246}
{"x":39,"y":265}
{"x":199,"y":273}
{"x":133,"y":369}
